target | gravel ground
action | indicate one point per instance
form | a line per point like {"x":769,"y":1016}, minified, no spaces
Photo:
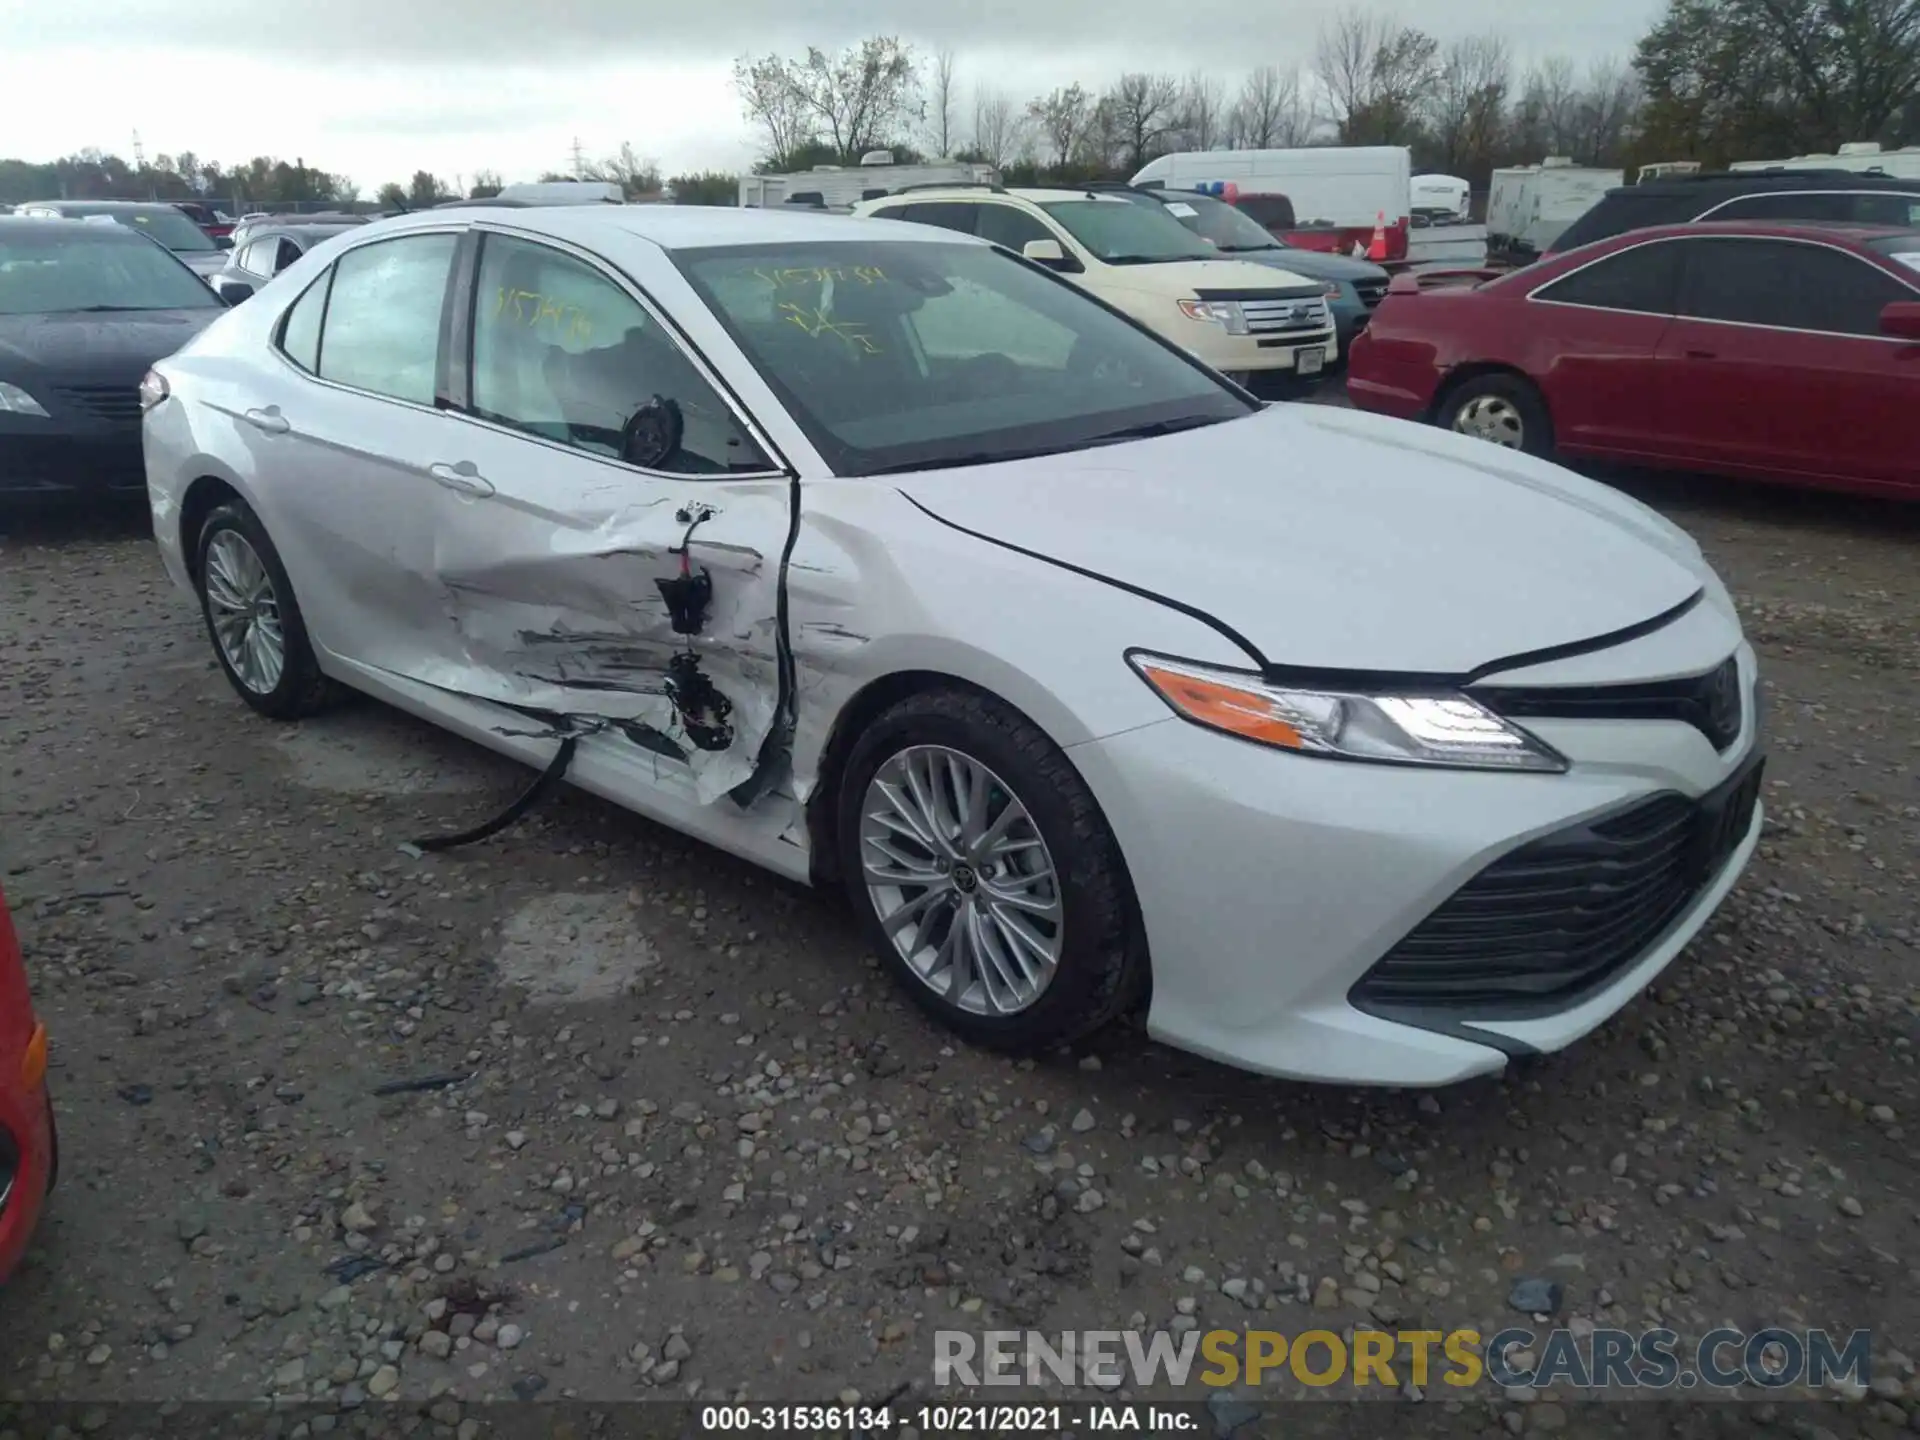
{"x":660,"y":1128}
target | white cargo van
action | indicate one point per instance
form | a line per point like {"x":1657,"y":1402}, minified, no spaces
{"x":1529,"y":205}
{"x":1864,"y":158}
{"x":841,"y":187}
{"x":1325,"y":197}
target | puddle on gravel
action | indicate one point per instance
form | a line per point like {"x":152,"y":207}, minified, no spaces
{"x":364,"y":752}
{"x":566,"y":949}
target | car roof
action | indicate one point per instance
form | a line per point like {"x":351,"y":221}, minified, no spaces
{"x":1775,"y":179}
{"x":113,"y":234}
{"x":101,"y":207}
{"x":1782,"y":229}
{"x":681,"y":227}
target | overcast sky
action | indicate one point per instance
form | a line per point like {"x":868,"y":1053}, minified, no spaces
{"x":376,"y":89}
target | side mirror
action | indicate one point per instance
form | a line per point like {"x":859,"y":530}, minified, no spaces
{"x":223,"y":242}
{"x":1901,"y":318}
{"x":230,"y":290}
{"x":1049,"y":254}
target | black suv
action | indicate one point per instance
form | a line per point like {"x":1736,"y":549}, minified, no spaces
{"x":1839,"y":197}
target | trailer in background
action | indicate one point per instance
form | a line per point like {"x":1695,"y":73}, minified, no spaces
{"x":1529,"y":205}
{"x":1443,"y":199}
{"x":1863,"y":158}
{"x":841,"y":187}
{"x":1329,"y":198}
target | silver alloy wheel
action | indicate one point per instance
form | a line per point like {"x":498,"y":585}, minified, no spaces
{"x":961,"y":880}
{"x":1491,"y":417}
{"x":245,"y":612}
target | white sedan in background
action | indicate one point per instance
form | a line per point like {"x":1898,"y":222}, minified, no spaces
{"x":881,"y":557}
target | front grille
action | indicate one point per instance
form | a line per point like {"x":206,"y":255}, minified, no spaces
{"x":106,"y":402}
{"x":1372,"y":292}
{"x":1563,"y":914}
{"x":1711,"y":703}
{"x":1284,"y":317}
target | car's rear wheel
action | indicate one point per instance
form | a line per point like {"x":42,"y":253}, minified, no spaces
{"x":1502,"y":409}
{"x":985,"y":874}
{"x":252,"y":617}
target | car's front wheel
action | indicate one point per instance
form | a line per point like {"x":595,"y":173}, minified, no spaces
{"x":252,"y":617}
{"x":985,"y":874}
{"x":1502,"y":409}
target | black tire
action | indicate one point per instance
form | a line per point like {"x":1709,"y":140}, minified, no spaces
{"x":1102,"y":967}
{"x":1527,"y":405}
{"x":302,"y":690}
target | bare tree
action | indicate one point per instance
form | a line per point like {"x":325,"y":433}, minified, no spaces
{"x":942,"y":100}
{"x":770,"y":102}
{"x":1061,"y":119}
{"x":1378,"y":73}
{"x":1203,"y":112}
{"x":1551,"y":103}
{"x":1271,"y":111}
{"x":1469,"y":100}
{"x":999,"y":128}
{"x":627,"y":169}
{"x":1609,"y":108}
{"x":1102,"y":143}
{"x":1145,"y":109}
{"x":854,"y":101}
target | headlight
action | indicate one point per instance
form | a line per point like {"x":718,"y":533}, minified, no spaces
{"x":153,"y":389}
{"x":1333,"y":290}
{"x":15,"y":401}
{"x":1409,"y":728}
{"x":1219,"y":312}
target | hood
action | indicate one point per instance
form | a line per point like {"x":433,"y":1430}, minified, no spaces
{"x":1335,"y":540}
{"x":106,"y":348}
{"x":203,"y":262}
{"x":1191,"y":277}
{"x":1314,"y":264}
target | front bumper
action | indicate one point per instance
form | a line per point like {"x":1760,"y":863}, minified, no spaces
{"x":70,"y":464}
{"x":28,"y":1158}
{"x":1271,"y":884}
{"x":1259,"y":354}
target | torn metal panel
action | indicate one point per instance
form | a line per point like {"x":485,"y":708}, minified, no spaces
{"x":560,"y":610}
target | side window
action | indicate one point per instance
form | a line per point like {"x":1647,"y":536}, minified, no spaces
{"x":1004,"y":225}
{"x":947,"y":214}
{"x":1787,"y":285}
{"x":1643,"y":279}
{"x":285,"y":253}
{"x":561,"y":352}
{"x":1810,"y":206}
{"x":1885,"y":208}
{"x":300,"y":330}
{"x":1273,"y":211}
{"x":974,"y":320}
{"x":383,"y":317}
{"x":257,"y":258}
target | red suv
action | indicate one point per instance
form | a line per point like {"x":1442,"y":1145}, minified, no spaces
{"x":28,"y":1150}
{"x":1766,"y":351}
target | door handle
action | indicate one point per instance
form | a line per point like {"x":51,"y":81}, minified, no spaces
{"x":1702,"y":355}
{"x":465,"y":477}
{"x":269,"y":420}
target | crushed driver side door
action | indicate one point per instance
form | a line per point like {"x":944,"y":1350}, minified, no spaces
{"x":610,"y":530}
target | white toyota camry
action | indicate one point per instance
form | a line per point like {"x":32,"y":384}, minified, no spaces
{"x":882,"y":557}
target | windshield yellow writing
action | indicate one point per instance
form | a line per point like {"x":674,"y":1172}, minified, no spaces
{"x":533,"y":309}
{"x":816,"y":322}
{"x":786,"y":278}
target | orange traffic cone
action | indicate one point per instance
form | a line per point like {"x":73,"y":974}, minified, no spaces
{"x":1377,"y":247}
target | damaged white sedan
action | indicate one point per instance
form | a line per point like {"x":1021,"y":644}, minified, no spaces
{"x":882,"y":557}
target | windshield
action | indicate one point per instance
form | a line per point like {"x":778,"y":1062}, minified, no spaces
{"x":163,"y":223}
{"x":46,"y":272}
{"x":903,"y":355}
{"x":1215,"y":220}
{"x":1902,"y":249}
{"x":1123,"y":234}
